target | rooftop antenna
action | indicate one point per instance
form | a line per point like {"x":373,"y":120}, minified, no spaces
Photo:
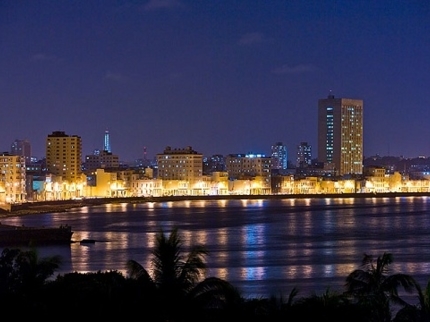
{"x":330,"y":94}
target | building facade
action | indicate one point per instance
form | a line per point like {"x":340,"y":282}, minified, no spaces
{"x":102,"y":159}
{"x":304,"y":155}
{"x":279,"y":156}
{"x":64,"y":156}
{"x":180,"y":164}
{"x":340,"y":134}
{"x":12,"y":178}
{"x":21,"y":148}
{"x":241,"y":166}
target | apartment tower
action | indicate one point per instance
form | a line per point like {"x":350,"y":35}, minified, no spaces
{"x":279,"y":156}
{"x":21,"y":148}
{"x":64,"y":156}
{"x":340,"y":134}
{"x":180,"y":164}
{"x":304,"y":155}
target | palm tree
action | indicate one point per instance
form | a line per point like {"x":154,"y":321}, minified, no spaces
{"x":374,"y":289}
{"x":25,"y":271}
{"x":23,"y":280}
{"x":424,"y":298}
{"x":178,"y":280}
{"x":416,"y":313}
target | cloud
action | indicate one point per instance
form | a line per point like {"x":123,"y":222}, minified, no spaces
{"x":162,"y":4}
{"x":43,"y":57}
{"x":116,"y":77}
{"x":298,"y":69}
{"x":252,"y":38}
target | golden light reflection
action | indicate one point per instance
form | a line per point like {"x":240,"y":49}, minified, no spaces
{"x":307,"y":271}
{"x":345,"y":269}
{"x":83,"y":210}
{"x":220,"y":273}
{"x":222,"y":203}
{"x":222,"y":236}
{"x":123,"y":206}
{"x":201,"y":203}
{"x":200,"y":237}
{"x":244,"y":202}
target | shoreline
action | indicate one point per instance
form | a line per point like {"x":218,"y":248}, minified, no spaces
{"x":40,"y":207}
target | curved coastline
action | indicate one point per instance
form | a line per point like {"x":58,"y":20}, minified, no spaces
{"x":31,"y":208}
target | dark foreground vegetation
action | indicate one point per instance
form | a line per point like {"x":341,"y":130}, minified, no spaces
{"x":175,"y":288}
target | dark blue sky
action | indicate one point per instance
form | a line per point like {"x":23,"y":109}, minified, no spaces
{"x":220,"y":76}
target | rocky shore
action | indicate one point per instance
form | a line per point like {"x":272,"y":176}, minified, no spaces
{"x":30,"y":208}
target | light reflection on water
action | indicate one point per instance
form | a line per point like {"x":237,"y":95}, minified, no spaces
{"x":264,"y":247}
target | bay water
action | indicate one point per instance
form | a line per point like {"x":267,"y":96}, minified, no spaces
{"x":264,"y":247}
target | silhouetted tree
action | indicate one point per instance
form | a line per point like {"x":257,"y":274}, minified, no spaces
{"x":23,"y":278}
{"x":416,"y":313}
{"x":374,"y":289}
{"x":179,"y":280}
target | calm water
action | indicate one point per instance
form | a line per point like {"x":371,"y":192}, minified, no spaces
{"x":263,"y":247}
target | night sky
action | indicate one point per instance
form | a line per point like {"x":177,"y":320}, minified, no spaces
{"x":220,"y":76}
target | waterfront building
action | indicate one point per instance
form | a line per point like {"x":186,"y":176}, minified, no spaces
{"x":304,"y":155}
{"x":180,"y":164}
{"x":340,"y":134}
{"x":146,"y":187}
{"x":214,"y":163}
{"x":244,"y":166}
{"x":64,"y":156}
{"x":21,"y":148}
{"x":12,"y":178}
{"x":105,"y":184}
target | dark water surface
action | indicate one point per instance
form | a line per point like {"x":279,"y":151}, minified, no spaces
{"x":264,"y":247}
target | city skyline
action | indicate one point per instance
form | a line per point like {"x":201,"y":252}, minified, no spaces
{"x":220,"y":77}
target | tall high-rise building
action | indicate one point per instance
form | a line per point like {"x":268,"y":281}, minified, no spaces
{"x":304,"y":155}
{"x":279,"y":156}
{"x":64,"y":156}
{"x":21,"y":148}
{"x":106,"y":146}
{"x":340,"y":134}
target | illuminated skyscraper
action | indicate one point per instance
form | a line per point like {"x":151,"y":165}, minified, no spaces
{"x":340,"y":134}
{"x":106,"y":146}
{"x":64,"y":156}
{"x":304,"y":155}
{"x":279,"y":156}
